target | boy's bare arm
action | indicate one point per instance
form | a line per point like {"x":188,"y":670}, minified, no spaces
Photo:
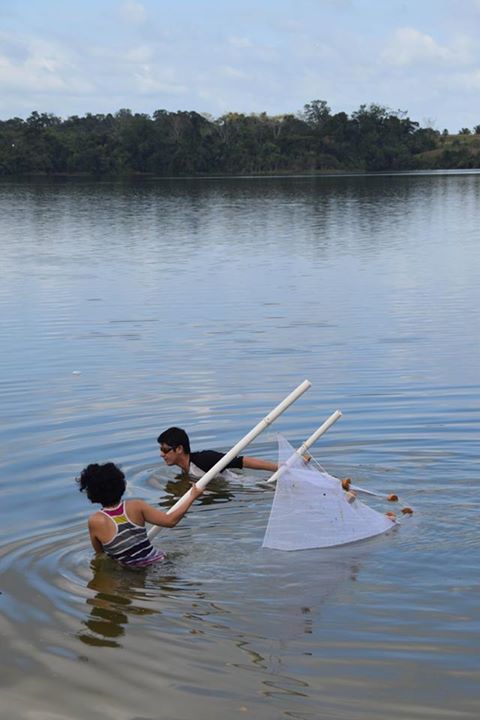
{"x":256,"y":464}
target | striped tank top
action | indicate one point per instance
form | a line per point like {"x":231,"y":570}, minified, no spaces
{"x":130,"y":544}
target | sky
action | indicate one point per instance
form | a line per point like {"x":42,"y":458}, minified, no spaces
{"x":250,"y":56}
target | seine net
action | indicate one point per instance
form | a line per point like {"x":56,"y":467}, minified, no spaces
{"x":311,"y":510}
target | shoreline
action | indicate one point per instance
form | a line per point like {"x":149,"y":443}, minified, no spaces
{"x":242,"y":176}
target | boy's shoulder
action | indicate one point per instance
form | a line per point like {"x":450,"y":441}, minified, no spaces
{"x":205,"y":459}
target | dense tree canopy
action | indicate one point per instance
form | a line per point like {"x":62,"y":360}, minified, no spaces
{"x":186,"y":143}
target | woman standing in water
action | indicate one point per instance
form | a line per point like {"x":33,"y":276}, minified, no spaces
{"x":118,"y":529}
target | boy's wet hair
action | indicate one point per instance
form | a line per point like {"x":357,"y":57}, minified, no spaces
{"x":104,"y":484}
{"x":174,"y":437}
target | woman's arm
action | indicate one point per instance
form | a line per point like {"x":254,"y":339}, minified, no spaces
{"x":157,"y":517}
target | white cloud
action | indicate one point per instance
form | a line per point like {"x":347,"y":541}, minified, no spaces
{"x":311,"y":50}
{"x":140,"y":54}
{"x":37,"y":66}
{"x":239,"y":42}
{"x":133,"y":12}
{"x":468,"y":81}
{"x":150,"y":80}
{"x":231,"y":72}
{"x":409,"y":46}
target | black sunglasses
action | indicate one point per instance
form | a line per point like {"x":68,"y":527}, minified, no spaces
{"x":165,"y":451}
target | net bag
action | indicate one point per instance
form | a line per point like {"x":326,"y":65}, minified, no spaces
{"x":311,"y":510}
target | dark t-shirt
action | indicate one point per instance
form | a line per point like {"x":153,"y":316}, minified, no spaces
{"x":206,"y":459}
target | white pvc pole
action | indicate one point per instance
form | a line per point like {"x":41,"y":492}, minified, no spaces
{"x":303,"y":448}
{"x":224,"y":461}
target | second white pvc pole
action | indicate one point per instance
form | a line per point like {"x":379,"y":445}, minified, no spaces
{"x":303,"y":448}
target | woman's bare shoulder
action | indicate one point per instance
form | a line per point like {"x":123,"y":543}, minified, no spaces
{"x":134,"y":510}
{"x":98,"y":519}
{"x":134,"y":504}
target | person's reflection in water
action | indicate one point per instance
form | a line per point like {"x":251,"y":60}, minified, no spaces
{"x":219,"y":490}
{"x":117,"y":592}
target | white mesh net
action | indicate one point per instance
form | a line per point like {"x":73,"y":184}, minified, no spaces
{"x":311,"y":510}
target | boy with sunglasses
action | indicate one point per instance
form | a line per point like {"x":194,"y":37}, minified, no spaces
{"x":175,"y":450}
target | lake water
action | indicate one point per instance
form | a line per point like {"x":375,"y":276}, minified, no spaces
{"x":129,"y":307}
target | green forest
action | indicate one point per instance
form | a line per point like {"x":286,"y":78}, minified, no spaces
{"x":186,"y":143}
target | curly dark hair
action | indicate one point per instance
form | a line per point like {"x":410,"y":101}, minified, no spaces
{"x":104,"y":484}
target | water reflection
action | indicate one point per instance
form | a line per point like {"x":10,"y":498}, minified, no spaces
{"x":116,"y":591}
{"x":219,"y":490}
{"x":120,"y":595}
{"x":305,"y":582}
{"x":124,"y":594}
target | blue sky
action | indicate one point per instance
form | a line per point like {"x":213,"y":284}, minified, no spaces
{"x":422,"y":56}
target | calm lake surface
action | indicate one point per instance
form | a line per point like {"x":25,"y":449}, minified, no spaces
{"x":129,"y":307}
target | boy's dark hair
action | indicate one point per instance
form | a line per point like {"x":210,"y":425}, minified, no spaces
{"x":174,"y":437}
{"x":104,"y":483}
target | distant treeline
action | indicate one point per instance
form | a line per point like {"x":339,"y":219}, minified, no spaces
{"x":180,"y":143}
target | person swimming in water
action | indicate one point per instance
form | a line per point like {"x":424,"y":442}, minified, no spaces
{"x":175,"y":450}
